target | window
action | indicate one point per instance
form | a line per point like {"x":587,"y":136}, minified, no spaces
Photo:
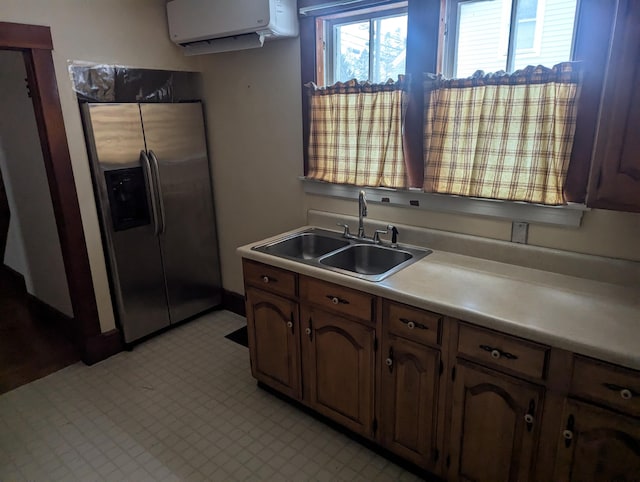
{"x":508,"y":35}
{"x":527,"y":23}
{"x":516,"y":33}
{"x":365,"y":46}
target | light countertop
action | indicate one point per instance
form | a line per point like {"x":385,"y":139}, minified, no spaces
{"x":593,"y":318}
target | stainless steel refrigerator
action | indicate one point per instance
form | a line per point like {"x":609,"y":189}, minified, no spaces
{"x":153,"y":189}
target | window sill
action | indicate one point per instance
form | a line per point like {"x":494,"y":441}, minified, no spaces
{"x":567,"y":216}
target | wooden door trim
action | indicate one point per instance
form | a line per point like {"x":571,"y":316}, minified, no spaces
{"x":35,"y":43}
{"x":21,"y":36}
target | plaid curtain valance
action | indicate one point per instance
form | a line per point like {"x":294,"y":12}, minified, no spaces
{"x":356,"y":133}
{"x":501,"y":136}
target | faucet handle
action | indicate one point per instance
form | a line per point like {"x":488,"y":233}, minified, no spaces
{"x":346,"y":232}
{"x":394,"y":235}
{"x":376,"y":235}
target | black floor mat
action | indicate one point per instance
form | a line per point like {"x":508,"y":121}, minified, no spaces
{"x":239,"y":336}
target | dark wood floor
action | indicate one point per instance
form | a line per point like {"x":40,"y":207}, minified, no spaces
{"x":33,"y":342}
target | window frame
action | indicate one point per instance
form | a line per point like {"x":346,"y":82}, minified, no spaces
{"x":327,"y":22}
{"x":426,"y":26}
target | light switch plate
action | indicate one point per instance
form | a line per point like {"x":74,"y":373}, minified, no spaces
{"x":519,"y":232}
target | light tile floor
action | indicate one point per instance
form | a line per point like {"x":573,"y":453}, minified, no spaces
{"x":181,"y":406}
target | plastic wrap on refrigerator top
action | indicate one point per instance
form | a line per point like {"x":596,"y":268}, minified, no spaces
{"x":116,"y":83}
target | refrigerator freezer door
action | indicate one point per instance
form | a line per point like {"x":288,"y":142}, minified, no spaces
{"x":115,"y":139}
{"x":175,"y":138}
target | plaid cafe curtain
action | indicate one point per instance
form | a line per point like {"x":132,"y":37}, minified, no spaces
{"x":501,"y":136}
{"x":356,"y":133}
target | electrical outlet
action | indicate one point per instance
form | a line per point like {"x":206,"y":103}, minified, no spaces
{"x":519,"y":232}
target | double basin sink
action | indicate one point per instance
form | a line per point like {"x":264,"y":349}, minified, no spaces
{"x":357,"y":257}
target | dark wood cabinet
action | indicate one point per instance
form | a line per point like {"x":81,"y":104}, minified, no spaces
{"x":460,"y":401}
{"x":597,"y":445}
{"x":410,"y":387}
{"x":494,"y":426}
{"x":339,"y":368}
{"x":615,"y":180}
{"x":272,"y":323}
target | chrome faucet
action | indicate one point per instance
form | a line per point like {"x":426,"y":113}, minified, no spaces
{"x":362,"y":213}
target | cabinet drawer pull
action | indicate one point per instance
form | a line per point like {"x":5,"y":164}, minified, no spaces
{"x":568,"y":435}
{"x":625,"y":393}
{"x":289,"y":324}
{"x":413,"y":324}
{"x":529,"y":419}
{"x":308,"y":331}
{"x":267,"y":279}
{"x":337,"y":301}
{"x":497,"y":353}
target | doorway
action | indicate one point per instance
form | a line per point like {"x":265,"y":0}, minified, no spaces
{"x":34,"y":43}
{"x":35,"y":308}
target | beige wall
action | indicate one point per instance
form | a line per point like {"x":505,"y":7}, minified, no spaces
{"x":34,"y":247}
{"x":253,"y":107}
{"x":116,"y":31}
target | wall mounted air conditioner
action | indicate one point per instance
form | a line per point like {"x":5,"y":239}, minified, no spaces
{"x":210,"y":26}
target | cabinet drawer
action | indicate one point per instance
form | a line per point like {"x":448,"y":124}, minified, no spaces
{"x":414,"y":324}
{"x":269,"y":278}
{"x":615,"y":386}
{"x":337,"y":298}
{"x":503,"y":351}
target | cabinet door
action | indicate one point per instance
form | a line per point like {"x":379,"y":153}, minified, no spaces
{"x":597,"y":446}
{"x":494,"y":426}
{"x":409,"y":387}
{"x":273,"y":341}
{"x":338,"y":365}
{"x":616,"y":179}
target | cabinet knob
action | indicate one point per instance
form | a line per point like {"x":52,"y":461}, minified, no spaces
{"x":626,"y":394}
{"x":265,"y":279}
{"x":528,"y":418}
{"x":308,"y":331}
{"x":495,"y":354}
{"x":568,"y":431}
{"x":411,"y":325}
{"x":389,"y":362}
{"x":289,"y":324}
{"x":335,"y":300}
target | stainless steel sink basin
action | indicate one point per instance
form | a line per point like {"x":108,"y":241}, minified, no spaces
{"x":366,"y":258}
{"x":309,"y":245}
{"x":372,"y":261}
{"x":357,"y":257}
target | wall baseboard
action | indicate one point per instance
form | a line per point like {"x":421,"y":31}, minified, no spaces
{"x":233,"y":302}
{"x":102,"y":346}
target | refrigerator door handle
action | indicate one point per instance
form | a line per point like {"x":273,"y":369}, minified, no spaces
{"x":156,"y":172}
{"x":146,"y":166}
